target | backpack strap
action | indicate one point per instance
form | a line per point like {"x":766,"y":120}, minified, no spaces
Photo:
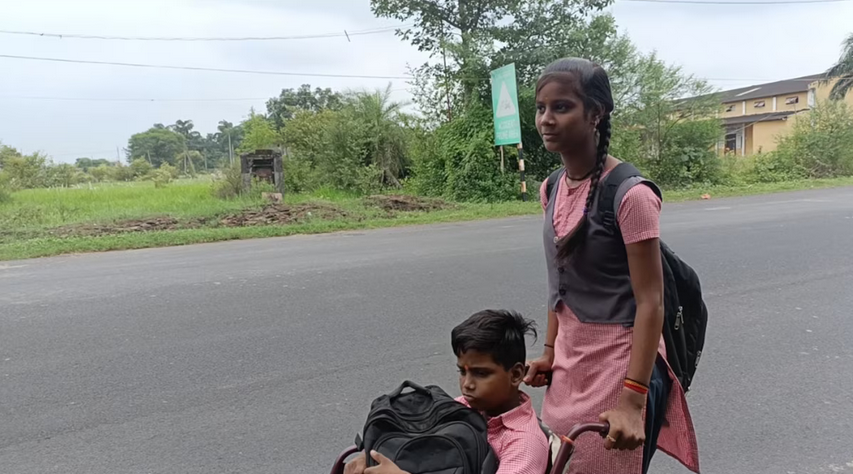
{"x":552,"y":180}
{"x":616,"y":184}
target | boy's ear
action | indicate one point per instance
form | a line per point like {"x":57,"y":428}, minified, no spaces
{"x":516,"y":374}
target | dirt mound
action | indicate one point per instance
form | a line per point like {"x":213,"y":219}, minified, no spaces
{"x":134,"y":225}
{"x":406,"y":203}
{"x":280,"y":214}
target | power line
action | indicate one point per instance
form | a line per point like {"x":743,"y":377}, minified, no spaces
{"x":194,"y":68}
{"x":111,"y":99}
{"x":736,"y":2}
{"x":341,"y":34}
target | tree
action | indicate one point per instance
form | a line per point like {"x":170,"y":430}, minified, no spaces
{"x":466,"y":31}
{"x":259,"y":134}
{"x":820,"y":144}
{"x":843,"y":71}
{"x":100,"y":173}
{"x":667,"y":124}
{"x":6,"y":153}
{"x":281,"y":108}
{"x":140,"y":168}
{"x":194,"y":139}
{"x":384,"y":135}
{"x":25,"y":171}
{"x":158,"y":145}
{"x":86,"y":164}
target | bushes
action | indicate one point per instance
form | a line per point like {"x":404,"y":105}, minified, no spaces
{"x":820,"y":144}
{"x":459,"y":162}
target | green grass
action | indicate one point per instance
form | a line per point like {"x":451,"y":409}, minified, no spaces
{"x":27,"y":219}
{"x":719,"y":191}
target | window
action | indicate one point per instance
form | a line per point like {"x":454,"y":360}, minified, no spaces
{"x":792,"y":100}
{"x":758,"y":104}
{"x":730,"y":108}
{"x":731,"y":142}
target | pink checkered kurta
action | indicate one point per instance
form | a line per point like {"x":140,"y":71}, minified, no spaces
{"x":591,"y":360}
{"x":518,"y":440}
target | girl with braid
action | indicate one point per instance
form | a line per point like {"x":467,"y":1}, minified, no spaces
{"x":606,"y":354}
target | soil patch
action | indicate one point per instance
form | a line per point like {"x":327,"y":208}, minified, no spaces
{"x":121,"y":227}
{"x":280,"y":214}
{"x":404,"y":203}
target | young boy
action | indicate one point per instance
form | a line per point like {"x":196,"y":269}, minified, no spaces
{"x":490,"y":355}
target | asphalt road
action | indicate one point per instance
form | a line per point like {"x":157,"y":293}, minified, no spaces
{"x":263,"y":356}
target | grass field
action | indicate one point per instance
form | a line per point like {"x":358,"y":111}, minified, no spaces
{"x":44,"y":222}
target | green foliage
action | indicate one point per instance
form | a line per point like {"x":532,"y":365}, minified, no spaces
{"x":101,"y":173}
{"x":671,"y":138}
{"x":140,"y":168}
{"x":259,"y":134}
{"x":843,"y":71}
{"x":159,"y":145}
{"x":228,"y":183}
{"x":121,"y":172}
{"x":820,"y":144}
{"x":5,"y":189}
{"x":25,"y":171}
{"x":87,"y":164}
{"x":282,"y":108}
{"x":161,"y":177}
{"x":459,"y":162}
{"x":171,"y":170}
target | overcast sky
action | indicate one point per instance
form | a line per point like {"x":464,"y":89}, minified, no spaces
{"x":733,"y":46}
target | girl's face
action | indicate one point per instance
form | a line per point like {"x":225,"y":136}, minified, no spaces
{"x":561,"y":118}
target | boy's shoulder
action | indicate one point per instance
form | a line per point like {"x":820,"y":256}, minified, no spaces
{"x":519,"y":423}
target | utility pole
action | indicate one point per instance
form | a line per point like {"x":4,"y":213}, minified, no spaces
{"x":446,"y":78}
{"x":230,"y":150}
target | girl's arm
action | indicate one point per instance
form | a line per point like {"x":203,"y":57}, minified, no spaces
{"x":644,"y":263}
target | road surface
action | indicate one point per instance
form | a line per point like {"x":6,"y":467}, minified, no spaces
{"x":263,"y":356}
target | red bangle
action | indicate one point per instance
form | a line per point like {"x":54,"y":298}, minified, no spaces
{"x":636,"y":386}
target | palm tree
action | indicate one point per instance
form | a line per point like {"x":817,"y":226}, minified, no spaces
{"x":382,"y":118}
{"x":843,"y":71}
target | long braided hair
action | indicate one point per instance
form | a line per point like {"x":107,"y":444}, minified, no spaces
{"x":597,"y":98}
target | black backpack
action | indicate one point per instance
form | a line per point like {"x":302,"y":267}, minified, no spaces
{"x":425,"y":431}
{"x":685,"y":313}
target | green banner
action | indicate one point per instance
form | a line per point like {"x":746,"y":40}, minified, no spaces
{"x":505,"y":106}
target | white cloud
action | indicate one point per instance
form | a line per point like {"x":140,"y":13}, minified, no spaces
{"x":765,"y":42}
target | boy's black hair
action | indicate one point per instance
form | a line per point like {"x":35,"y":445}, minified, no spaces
{"x":499,"y":333}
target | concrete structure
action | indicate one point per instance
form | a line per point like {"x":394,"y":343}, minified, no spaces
{"x":263,"y":165}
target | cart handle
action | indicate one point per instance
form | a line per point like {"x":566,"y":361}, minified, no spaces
{"x":567,"y":447}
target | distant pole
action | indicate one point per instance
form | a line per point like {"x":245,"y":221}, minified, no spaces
{"x":446,"y":78}
{"x":149,"y":158}
{"x":230,"y":150}
{"x":503,"y":169}
{"x":118,"y":158}
{"x":521,"y":170}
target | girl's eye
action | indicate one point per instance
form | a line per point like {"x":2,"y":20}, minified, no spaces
{"x":540,"y":108}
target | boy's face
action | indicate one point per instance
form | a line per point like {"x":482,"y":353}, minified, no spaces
{"x":486,"y":385}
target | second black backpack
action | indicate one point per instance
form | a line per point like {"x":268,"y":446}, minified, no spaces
{"x":425,"y":431}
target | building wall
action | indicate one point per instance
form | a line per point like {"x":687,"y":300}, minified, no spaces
{"x":802,"y":102}
{"x":822,"y":92}
{"x":764,"y":134}
{"x":747,"y":140}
